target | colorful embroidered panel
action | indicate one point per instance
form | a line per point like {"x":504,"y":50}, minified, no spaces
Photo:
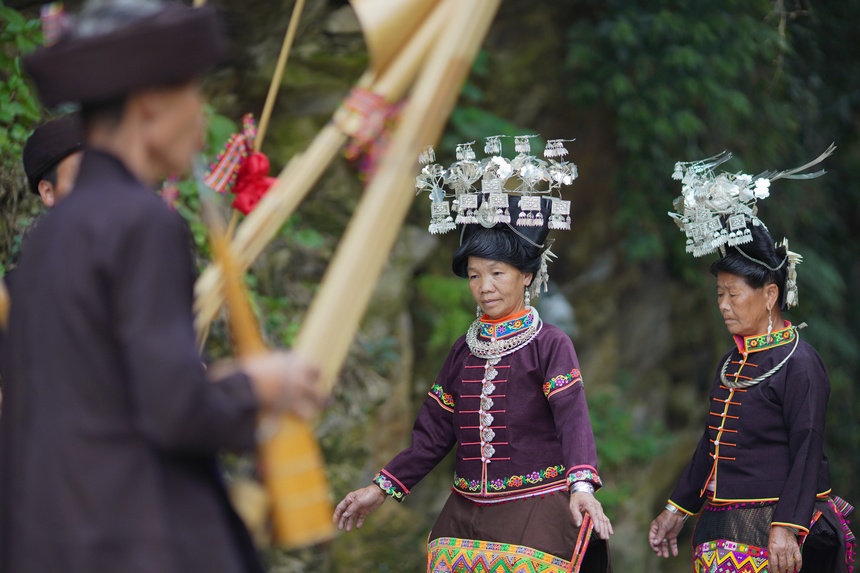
{"x":584,"y":473}
{"x":507,"y":328}
{"x":561,"y":382}
{"x":390,"y":487}
{"x":777,"y":338}
{"x":445,"y":400}
{"x":451,"y":555}
{"x":729,"y":557}
{"x":512,"y":482}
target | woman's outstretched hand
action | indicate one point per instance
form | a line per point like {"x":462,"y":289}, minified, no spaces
{"x":357,"y":505}
{"x":663,"y":535}
{"x":582,"y":503}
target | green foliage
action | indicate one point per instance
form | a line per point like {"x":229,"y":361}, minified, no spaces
{"x":446,"y":303}
{"x":472,"y":120}
{"x":683,"y":80}
{"x":19,"y":106}
{"x":622,"y":443}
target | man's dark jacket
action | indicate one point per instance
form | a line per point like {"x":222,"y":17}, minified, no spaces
{"x":109,"y":426}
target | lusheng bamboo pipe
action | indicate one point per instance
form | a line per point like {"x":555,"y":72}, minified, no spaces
{"x":300,"y":175}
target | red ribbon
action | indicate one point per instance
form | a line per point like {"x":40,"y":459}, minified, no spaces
{"x":252,"y":183}
{"x":241,"y":170}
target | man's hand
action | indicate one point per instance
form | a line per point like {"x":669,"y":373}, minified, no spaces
{"x":285,"y":382}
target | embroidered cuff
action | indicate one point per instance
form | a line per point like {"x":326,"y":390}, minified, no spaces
{"x":584,"y":473}
{"x":797,"y":529}
{"x":443,"y":398}
{"x":686,"y":512}
{"x":560,"y":382}
{"x":390,"y":485}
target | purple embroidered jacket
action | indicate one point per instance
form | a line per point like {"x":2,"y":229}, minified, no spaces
{"x":522,"y":433}
{"x":766,"y":442}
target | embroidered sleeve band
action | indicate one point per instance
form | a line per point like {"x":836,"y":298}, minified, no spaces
{"x":443,"y":398}
{"x":584,"y":473}
{"x":560,"y":382}
{"x":390,"y":485}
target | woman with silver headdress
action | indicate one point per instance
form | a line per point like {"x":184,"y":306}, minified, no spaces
{"x":759,"y":478}
{"x":510,"y":397}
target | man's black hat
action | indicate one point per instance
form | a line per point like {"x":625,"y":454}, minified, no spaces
{"x":49,"y":144}
{"x":161,"y":45}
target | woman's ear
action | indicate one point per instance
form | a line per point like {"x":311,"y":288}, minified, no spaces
{"x":771,"y":293}
{"x":528,"y":277}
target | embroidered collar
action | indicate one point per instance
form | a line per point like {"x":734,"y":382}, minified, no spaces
{"x":759,"y":342}
{"x":507,"y":326}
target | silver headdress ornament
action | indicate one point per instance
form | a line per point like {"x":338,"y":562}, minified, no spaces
{"x":715,"y":210}
{"x":472,"y":192}
{"x":497,"y":179}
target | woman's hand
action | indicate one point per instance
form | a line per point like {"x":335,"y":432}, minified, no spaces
{"x":581,"y":503}
{"x":663,"y":535}
{"x":356,"y":506}
{"x":783,"y":550}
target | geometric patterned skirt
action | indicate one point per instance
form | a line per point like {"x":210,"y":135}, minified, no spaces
{"x":733,"y":538}
{"x":531,"y":535}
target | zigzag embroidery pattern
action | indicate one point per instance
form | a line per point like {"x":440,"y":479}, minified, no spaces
{"x":730,"y":557}
{"x":451,"y":555}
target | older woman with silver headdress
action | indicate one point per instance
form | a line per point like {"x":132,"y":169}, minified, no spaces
{"x":509,"y":396}
{"x":759,"y":478}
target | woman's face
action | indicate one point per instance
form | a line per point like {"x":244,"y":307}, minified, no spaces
{"x":744,"y":308}
{"x":497,"y":287}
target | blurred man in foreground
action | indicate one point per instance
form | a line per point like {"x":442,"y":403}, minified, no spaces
{"x":110,"y":424}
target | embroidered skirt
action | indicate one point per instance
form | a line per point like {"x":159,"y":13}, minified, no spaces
{"x":532,"y":535}
{"x":733,"y":538}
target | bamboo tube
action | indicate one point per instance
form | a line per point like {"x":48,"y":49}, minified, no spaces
{"x":387,"y":24}
{"x":299,"y":176}
{"x":278,"y":75}
{"x":4,"y":306}
{"x":337,"y":309}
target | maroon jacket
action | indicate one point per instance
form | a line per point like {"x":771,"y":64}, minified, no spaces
{"x":541,"y":434}
{"x":109,"y":427}
{"x":766,"y":442}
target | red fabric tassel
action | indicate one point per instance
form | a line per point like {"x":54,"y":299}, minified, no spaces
{"x":252,"y":182}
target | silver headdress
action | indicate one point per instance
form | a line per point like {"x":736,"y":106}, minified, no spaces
{"x":716,"y":210}
{"x":497,"y":179}
{"x":473,"y":192}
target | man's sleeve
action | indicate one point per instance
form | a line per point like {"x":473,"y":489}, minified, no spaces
{"x":175,"y":406}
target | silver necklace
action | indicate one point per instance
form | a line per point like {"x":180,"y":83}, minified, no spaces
{"x":737,"y":383}
{"x":488,"y":349}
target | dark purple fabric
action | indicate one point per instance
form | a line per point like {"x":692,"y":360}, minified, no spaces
{"x":533,"y":432}
{"x":109,"y":425}
{"x":775,"y":449}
